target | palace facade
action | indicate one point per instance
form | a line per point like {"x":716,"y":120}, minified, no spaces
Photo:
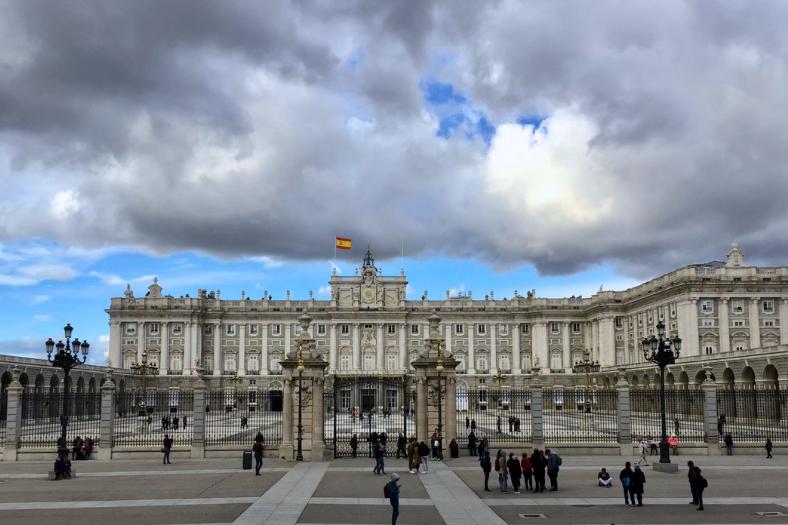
{"x":721,"y":310}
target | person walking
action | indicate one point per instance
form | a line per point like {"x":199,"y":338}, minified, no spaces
{"x":424,"y":454}
{"x":513,"y":465}
{"x":413,"y":463}
{"x":700,"y":486}
{"x":642,"y":448}
{"x":353,"y":445}
{"x":553,"y":465}
{"x":676,"y":426}
{"x":473,"y":425}
{"x":392,"y":488}
{"x":626,"y":482}
{"x":467,"y":423}
{"x":728,"y":444}
{"x":768,"y":448}
{"x":483,"y":447}
{"x":692,"y":478}
{"x":539,"y":463}
{"x":486,"y":465}
{"x":257,"y":449}
{"x":379,"y":451}
{"x":166,"y":446}
{"x":526,"y":467}
{"x":636,"y":485}
{"x":401,"y":442}
{"x":498,"y":424}
{"x":435,"y":445}
{"x":503,"y":474}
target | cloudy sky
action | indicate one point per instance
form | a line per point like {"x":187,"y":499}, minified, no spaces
{"x":554,"y":145}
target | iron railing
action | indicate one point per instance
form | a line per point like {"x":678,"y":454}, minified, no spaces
{"x":144,"y":420}
{"x":41,"y":424}
{"x":3,"y":415}
{"x":580,"y":415}
{"x":235,"y":418}
{"x":751,"y":415}
{"x":683,"y":414}
{"x":501,"y":415}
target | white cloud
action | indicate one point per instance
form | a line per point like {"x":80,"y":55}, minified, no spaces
{"x":324,"y":291}
{"x":457,"y":290}
{"x":41,"y":318}
{"x":64,"y":204}
{"x":38,"y":299}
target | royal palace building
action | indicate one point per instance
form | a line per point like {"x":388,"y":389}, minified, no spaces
{"x":721,"y":310}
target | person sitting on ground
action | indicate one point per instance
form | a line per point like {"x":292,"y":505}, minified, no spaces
{"x":63,"y":466}
{"x":673,"y":442}
{"x":454,"y":449}
{"x":604,"y":478}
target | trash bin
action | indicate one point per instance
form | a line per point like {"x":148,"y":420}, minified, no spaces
{"x":247,"y":464}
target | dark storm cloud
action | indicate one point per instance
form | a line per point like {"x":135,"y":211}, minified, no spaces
{"x":246,"y":128}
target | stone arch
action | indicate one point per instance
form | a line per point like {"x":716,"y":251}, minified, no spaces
{"x":684,"y":379}
{"x":39,"y":382}
{"x":80,"y":385}
{"x":700,"y":378}
{"x":462,"y":395}
{"x":275,"y":396}
{"x":670,"y":381}
{"x":748,"y":377}
{"x":633,"y":381}
{"x":92,"y":385}
{"x":122,"y":385}
{"x":770,"y":374}
{"x":772,"y":406}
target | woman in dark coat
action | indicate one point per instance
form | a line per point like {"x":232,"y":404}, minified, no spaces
{"x":636,"y":485}
{"x":538,"y":462}
{"x":513,"y":464}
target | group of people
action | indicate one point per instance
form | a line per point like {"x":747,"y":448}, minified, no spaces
{"x":531,"y":469}
{"x":633,"y":481}
{"x":173,"y":423}
{"x":81,"y":448}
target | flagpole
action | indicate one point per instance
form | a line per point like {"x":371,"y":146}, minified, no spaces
{"x":334,"y":268}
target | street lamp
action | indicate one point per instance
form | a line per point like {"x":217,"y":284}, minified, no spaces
{"x":587,"y":366}
{"x":437,"y":343}
{"x":662,"y":351}
{"x":303,"y":341}
{"x":236,"y":380}
{"x":143,"y":369}
{"x":66,"y":358}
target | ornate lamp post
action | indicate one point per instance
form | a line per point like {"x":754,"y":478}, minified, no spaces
{"x":500,"y":379}
{"x":304,"y":341}
{"x":587,"y":366}
{"x":143,"y":369}
{"x":236,"y":380}
{"x":662,"y":351}
{"x":66,"y":358}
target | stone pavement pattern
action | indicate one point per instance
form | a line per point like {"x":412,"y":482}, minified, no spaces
{"x":345,"y":491}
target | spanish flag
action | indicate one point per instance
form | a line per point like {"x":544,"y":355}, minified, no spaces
{"x":343,"y":243}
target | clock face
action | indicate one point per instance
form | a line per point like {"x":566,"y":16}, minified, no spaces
{"x":368,"y":294}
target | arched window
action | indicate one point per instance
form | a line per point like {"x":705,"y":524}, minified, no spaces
{"x":176,"y":363}
{"x":504,"y":363}
{"x":369,"y":361}
{"x":344,"y":362}
{"x":556,"y":362}
{"x":481,"y":363}
{"x":254,"y":363}
{"x":275,"y":366}
{"x":391,"y":361}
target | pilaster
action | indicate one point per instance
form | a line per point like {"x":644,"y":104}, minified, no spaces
{"x":567,"y":359}
{"x":623,"y":414}
{"x":471,"y":366}
{"x":518,"y":362}
{"x":724,"y":328}
{"x":710,"y":414}
{"x":218,"y":362}
{"x":493,"y":348}
{"x":164,"y":359}
{"x":198,"y":420}
{"x":537,"y":407}
{"x":264,"y":353}
{"x":379,"y":365}
{"x":784,"y":322}
{"x":755,"y":324}
{"x":242,"y":349}
{"x":13,"y":428}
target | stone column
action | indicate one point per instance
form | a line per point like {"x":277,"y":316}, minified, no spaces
{"x":218,"y":363}
{"x":187,"y":348}
{"x":403,"y":346}
{"x":725,"y":338}
{"x":318,"y":422}
{"x":115,"y":339}
{"x":595,"y":340}
{"x":288,"y":327}
{"x":471,"y":367}
{"x":710,"y":414}
{"x":537,"y":405}
{"x":450,"y":404}
{"x":198,"y":420}
{"x":625,"y":326}
{"x":356,"y":348}
{"x":623,"y":414}
{"x":518,"y":362}
{"x":783,"y":321}
{"x":107,"y":420}
{"x":493,"y":349}
{"x":164,"y":361}
{"x":539,"y":338}
{"x":264,"y":352}
{"x":197,"y":344}
{"x":379,"y":365}
{"x":694,"y":342}
{"x":13,"y":428}
{"x":332,"y":348}
{"x":140,"y":340}
{"x":607,"y":342}
{"x":422,"y":432}
{"x":286,"y":447}
{"x":567,"y":364}
{"x":755,"y":324}
{"x":447,"y":337}
{"x":242,"y":349}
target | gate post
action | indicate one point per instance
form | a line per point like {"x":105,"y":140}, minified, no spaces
{"x":451,"y":408}
{"x":422,"y":434}
{"x":286,"y":447}
{"x":107,"y":419}
{"x":14,"y":417}
{"x":537,"y":405}
{"x":198,"y":419}
{"x":710,"y":414}
{"x":623,"y":415}
{"x":318,"y":418}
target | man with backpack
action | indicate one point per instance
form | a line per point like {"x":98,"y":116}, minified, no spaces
{"x":553,"y":464}
{"x":391,"y":491}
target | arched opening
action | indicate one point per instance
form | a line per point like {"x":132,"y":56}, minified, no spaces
{"x":746,"y":398}
{"x":53,"y":402}
{"x":5,"y":380}
{"x":275,"y":396}
{"x":771,"y":398}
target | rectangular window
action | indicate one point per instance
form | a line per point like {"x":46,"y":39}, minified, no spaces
{"x":709,"y":349}
{"x":737,"y":307}
{"x":481,"y":329}
{"x":297,"y":329}
{"x":391,"y":329}
{"x":414,"y":329}
{"x":554,"y":329}
{"x":177,"y":329}
{"x":344,"y":329}
{"x":503,"y":329}
{"x":459,"y":329}
{"x":708,"y":323}
{"x":768,"y":306}
{"x":131,"y":329}
{"x":252,"y":329}
{"x":619,"y":322}
{"x":768,"y":323}
{"x":208,"y":329}
{"x":344,"y":362}
{"x":739,"y":348}
{"x":619,"y":337}
{"x":524,"y":329}
{"x":231,"y":329}
{"x":575,"y":328}
{"x":368,"y":327}
{"x":391,"y":362}
{"x":738,"y":324}
{"x":276,"y":329}
{"x":321,"y":329}
{"x":154,"y":328}
{"x":706,"y":306}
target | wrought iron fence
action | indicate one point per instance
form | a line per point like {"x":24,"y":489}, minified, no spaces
{"x":753,"y":414}
{"x":683,"y":414}
{"x":235,"y":418}
{"x":41,"y":412}
{"x":580,"y":415}
{"x":3,"y":415}
{"x":144,"y":420}
{"x":368,"y":408}
{"x":501,"y":415}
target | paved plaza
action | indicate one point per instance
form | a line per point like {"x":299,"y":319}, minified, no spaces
{"x":346,"y":491}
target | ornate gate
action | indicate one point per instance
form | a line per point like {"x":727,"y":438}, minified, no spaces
{"x":369,"y":408}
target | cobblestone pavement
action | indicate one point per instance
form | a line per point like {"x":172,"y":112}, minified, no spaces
{"x":741,"y":489}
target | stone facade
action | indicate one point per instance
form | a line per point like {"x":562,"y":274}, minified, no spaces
{"x":367,"y":327}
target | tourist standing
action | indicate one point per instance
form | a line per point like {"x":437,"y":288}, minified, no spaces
{"x":473,"y":425}
{"x":700,"y":486}
{"x":467,"y":423}
{"x":676,"y":426}
{"x":553,"y":465}
{"x":642,"y":449}
{"x":636,"y":485}
{"x":472,"y":443}
{"x":528,"y":471}
{"x":486,"y":465}
{"x":393,"y":491}
{"x":626,"y":481}
{"x":454,"y":449}
{"x":500,"y":468}
{"x":413,"y":463}
{"x":729,"y":444}
{"x":424,"y":454}
{"x":768,"y":448}
{"x":401,"y":442}
{"x":539,"y":463}
{"x":354,"y":445}
{"x":498,"y":424}
{"x":513,"y":465}
{"x":379,"y":451}
{"x":166,"y":446}
{"x":692,"y":477}
{"x":257,"y":448}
